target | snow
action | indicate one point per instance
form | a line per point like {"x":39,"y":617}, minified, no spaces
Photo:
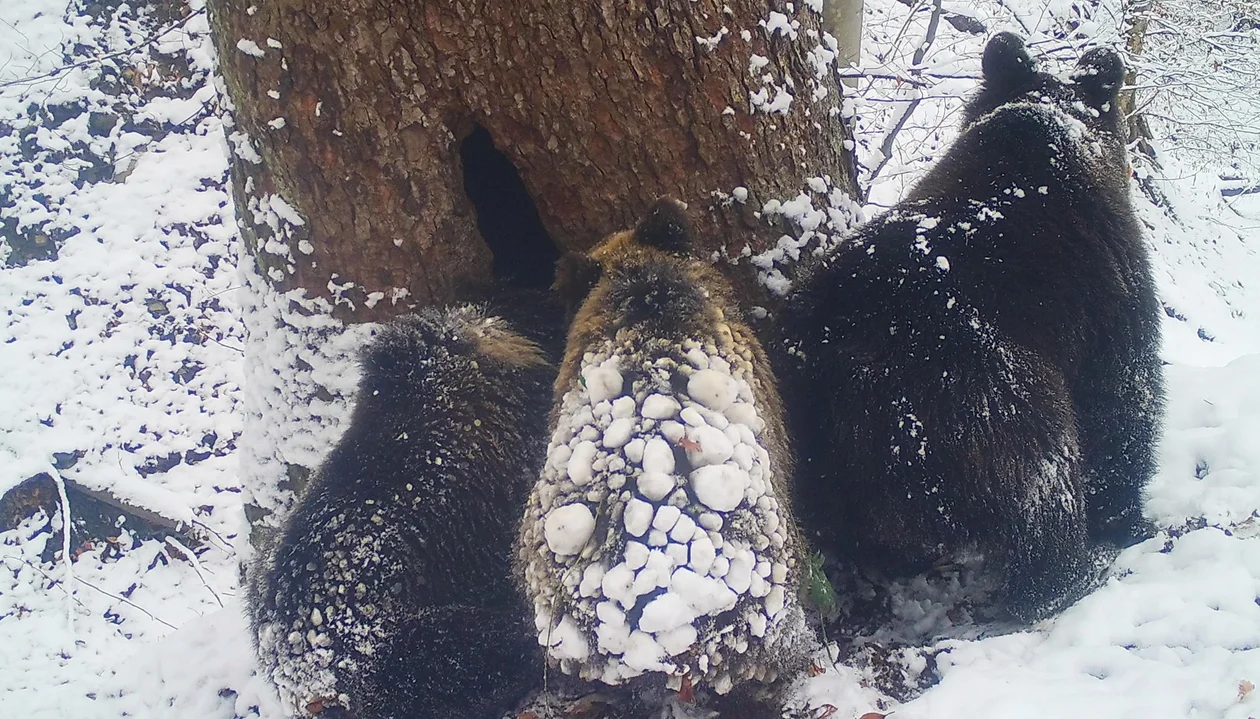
{"x":249,"y":47}
{"x":618,"y":433}
{"x":1210,"y":437}
{"x":638,"y":513}
{"x":710,"y":43}
{"x":709,"y":445}
{"x":654,"y":486}
{"x":667,"y":612}
{"x":658,"y":457}
{"x":579,"y":464}
{"x":659,"y":406}
{"x":567,"y":528}
{"x":720,"y":488}
{"x":567,"y":642}
{"x":121,"y":369}
{"x":713,"y":389}
{"x":603,"y":381}
{"x":666,"y":517}
{"x":777,"y":22}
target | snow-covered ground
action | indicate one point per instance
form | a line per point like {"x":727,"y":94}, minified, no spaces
{"x":121,"y":369}
{"x":120,"y":349}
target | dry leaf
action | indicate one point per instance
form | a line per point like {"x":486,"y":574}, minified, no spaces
{"x":686,"y":693}
{"x":177,"y":553}
{"x":1244,"y":688}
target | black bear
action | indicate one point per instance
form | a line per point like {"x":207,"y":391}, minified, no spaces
{"x":388,"y":592}
{"x":658,"y":546}
{"x":978,"y":367}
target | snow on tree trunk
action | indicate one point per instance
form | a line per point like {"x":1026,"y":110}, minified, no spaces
{"x":389,"y":155}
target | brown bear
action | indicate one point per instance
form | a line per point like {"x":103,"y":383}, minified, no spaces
{"x":658,"y":546}
{"x":978,"y":368}
{"x":388,"y":592}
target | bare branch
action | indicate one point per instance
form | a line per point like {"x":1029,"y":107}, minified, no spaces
{"x":886,"y":147}
{"x":191,"y":558}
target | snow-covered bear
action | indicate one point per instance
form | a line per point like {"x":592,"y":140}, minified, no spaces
{"x":389,"y":592}
{"x":978,"y":367}
{"x":658,"y":546}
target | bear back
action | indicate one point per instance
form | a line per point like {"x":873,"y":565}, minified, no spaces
{"x":658,"y":545}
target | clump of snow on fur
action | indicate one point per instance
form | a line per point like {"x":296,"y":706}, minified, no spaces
{"x":567,"y":528}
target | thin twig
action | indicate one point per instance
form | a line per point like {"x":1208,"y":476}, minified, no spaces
{"x":138,"y":149}
{"x":906,"y":25}
{"x":1023,"y":26}
{"x":126,"y":601}
{"x":196,"y":565}
{"x":52,"y":581}
{"x":933,"y":23}
{"x":912,"y":81}
{"x":206,"y":335}
{"x":224,"y":545}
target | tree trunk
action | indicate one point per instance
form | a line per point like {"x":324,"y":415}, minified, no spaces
{"x":389,"y":155}
{"x":843,"y":19}
{"x":1137,"y":16}
{"x":371,"y":118}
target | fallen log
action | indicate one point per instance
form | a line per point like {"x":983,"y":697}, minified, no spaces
{"x":97,"y":517}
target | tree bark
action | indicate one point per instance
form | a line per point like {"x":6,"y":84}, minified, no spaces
{"x":394,"y":154}
{"x":359,"y":111}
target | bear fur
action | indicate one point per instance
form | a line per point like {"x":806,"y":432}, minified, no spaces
{"x":658,"y":547}
{"x":388,"y":592}
{"x":978,"y":367}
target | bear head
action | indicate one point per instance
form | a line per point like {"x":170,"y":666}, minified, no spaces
{"x":1084,"y":99}
{"x":645,"y":276}
{"x":1087,"y":93}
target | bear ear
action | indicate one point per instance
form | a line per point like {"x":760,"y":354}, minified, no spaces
{"x":576,"y":274}
{"x":1006,"y":61}
{"x":1099,"y":75}
{"x":665,"y":227}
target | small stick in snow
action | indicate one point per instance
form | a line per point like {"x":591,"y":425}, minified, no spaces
{"x":191,"y":558}
{"x":65,"y":545}
{"x":126,"y":601}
